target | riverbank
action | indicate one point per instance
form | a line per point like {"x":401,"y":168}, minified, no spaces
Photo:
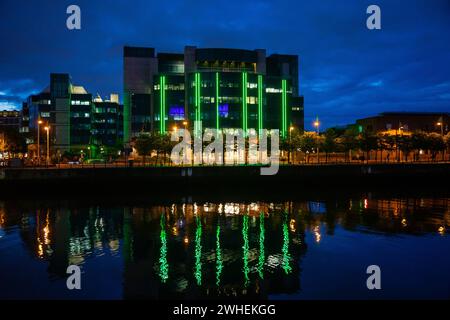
{"x":164,"y":180}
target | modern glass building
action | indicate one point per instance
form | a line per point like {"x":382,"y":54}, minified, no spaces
{"x":222,"y":88}
{"x":76,"y":120}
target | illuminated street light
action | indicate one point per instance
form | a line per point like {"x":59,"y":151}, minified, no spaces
{"x":441,"y":124}
{"x":38,"y":142}
{"x":47,"y":129}
{"x":317,"y":125}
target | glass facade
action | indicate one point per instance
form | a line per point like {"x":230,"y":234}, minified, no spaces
{"x":222,"y":91}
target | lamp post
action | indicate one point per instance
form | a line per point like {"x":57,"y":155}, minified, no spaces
{"x":441,"y":124}
{"x":38,"y":142}
{"x":47,"y":129}
{"x":185,"y":123}
{"x":317,"y":125}
{"x":291,"y":128}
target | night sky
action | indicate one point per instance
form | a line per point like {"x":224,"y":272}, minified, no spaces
{"x":346,"y":70}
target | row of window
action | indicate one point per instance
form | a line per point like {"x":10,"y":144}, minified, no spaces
{"x":81,"y":103}
{"x":205,"y":99}
{"x":80,"y":115}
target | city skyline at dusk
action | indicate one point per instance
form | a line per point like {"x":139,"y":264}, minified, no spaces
{"x":346,"y":71}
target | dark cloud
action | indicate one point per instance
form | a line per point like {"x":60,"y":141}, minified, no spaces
{"x":346,"y":70}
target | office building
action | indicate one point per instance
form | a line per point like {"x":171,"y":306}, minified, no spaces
{"x":222,"y":88}
{"x":75,"y":119}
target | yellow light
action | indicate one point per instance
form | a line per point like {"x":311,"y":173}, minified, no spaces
{"x":292,"y":225}
{"x":185,"y":123}
{"x":439,"y":123}
{"x":404,"y":223}
{"x":291,"y":128}
{"x":441,"y":230}
{"x":39,"y":121}
{"x":317,"y":234}
{"x":175,"y":128}
{"x":316,"y":124}
{"x":47,"y":128}
{"x":186,"y":240}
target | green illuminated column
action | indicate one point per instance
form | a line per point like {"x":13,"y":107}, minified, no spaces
{"x":283,"y":109}
{"x":285,"y":250}
{"x":261,"y":258}
{"x":198,"y":252}
{"x":163,"y":264}
{"x":244,"y":102}
{"x":198,"y":110}
{"x":217,"y":100}
{"x":219,"y":262}
{"x":162,"y":103}
{"x":245,"y":248}
{"x":260,"y":103}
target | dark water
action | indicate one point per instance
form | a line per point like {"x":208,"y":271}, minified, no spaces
{"x":306,"y":249}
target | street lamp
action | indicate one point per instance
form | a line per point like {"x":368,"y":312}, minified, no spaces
{"x":317,"y":125}
{"x":291,"y":128}
{"x":185,"y":123}
{"x":38,"y":142}
{"x":47,"y":129}
{"x":441,"y":124}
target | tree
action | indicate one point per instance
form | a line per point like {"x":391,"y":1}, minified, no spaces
{"x":348,"y":142}
{"x":367,"y":142}
{"x":419,"y":142}
{"x":435,"y":144}
{"x":308,"y":143}
{"x":144,"y":145}
{"x":329,"y":143}
{"x":405,"y":145}
{"x":13,"y":141}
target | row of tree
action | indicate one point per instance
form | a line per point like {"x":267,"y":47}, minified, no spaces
{"x":406,"y":146}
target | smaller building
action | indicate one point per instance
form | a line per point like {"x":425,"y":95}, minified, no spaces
{"x":77,"y":121}
{"x":407,"y":121}
{"x":10,"y":119}
{"x":107,"y":121}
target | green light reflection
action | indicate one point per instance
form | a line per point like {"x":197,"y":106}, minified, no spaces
{"x":219,"y":262}
{"x":198,"y":252}
{"x":245,"y":251}
{"x":286,"y":256}
{"x":163,"y":264}
{"x":261,"y":258}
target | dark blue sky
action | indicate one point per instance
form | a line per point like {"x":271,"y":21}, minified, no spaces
{"x":346,"y":71}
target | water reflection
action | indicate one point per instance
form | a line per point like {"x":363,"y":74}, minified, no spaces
{"x":191,"y":250}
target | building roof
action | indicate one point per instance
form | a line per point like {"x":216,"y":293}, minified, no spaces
{"x":78,"y":90}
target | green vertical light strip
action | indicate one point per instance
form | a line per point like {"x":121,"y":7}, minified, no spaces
{"x":197,"y":99}
{"x":260,"y":103}
{"x":219,"y":261}
{"x":162,"y":103}
{"x":261,"y":258}
{"x":245,"y":248}
{"x":217,"y":100}
{"x":163,"y":264}
{"x":198,"y":252}
{"x":285,"y":264}
{"x":283,"y":109}
{"x":244,"y":102}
